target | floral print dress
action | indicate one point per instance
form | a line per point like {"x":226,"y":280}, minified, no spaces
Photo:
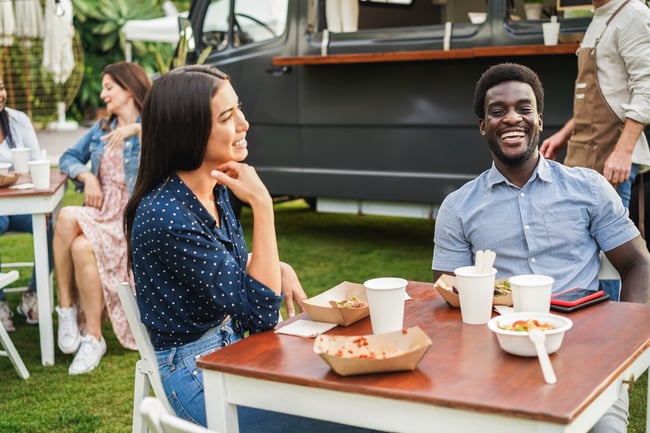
{"x":104,"y":230}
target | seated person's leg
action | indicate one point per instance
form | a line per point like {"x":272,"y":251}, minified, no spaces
{"x":5,"y":311}
{"x":612,"y":288}
{"x":28,"y":306}
{"x":615,"y":419}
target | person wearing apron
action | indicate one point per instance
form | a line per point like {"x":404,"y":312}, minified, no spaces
{"x":611,"y":109}
{"x":612,"y":97}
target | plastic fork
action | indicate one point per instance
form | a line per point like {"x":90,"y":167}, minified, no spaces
{"x":538,"y":338}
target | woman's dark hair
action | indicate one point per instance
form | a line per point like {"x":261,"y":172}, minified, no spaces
{"x":176,"y":124}
{"x":4,"y":124}
{"x":506,"y":72}
{"x":132,"y":78}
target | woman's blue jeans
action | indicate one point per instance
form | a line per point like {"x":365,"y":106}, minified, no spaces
{"x":624,"y":189}
{"x":183,"y":384}
{"x":23,"y":223}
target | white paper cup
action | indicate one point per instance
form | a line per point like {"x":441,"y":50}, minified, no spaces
{"x":386,"y":303}
{"x":20,"y":159}
{"x":531,"y":293}
{"x":475,"y":292}
{"x":4,"y":167}
{"x":551,"y":32}
{"x":40,"y":172}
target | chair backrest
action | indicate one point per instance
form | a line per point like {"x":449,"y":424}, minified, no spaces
{"x":147,"y":355}
{"x":161,"y":421}
{"x":7,"y":347}
{"x":8,"y":278}
{"x":607,"y":271}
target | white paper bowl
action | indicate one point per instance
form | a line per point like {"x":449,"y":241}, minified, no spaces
{"x":518,"y":343}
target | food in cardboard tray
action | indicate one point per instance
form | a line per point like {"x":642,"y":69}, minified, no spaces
{"x":325,"y":306}
{"x":502,"y":288}
{"x":363,"y":354}
{"x":355,"y":302}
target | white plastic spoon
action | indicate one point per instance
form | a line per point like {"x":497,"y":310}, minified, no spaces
{"x":537,"y":337}
{"x":489,"y":257}
{"x":478,"y":261}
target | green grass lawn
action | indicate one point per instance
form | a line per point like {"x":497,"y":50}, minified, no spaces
{"x":325,"y":249}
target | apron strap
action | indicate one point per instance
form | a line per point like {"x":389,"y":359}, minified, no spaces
{"x":607,"y":24}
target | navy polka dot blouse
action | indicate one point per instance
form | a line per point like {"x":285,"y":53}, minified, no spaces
{"x":190,"y":274}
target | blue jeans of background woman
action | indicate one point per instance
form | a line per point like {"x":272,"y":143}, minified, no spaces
{"x":624,"y":189}
{"x":183,"y":384}
{"x":23,"y":223}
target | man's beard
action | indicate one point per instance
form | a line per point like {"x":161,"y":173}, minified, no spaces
{"x":517,"y":159}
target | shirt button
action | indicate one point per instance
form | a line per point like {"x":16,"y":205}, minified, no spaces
{"x":126,"y":161}
{"x":526,"y":227}
{"x":522,"y":194}
{"x":532,"y":260}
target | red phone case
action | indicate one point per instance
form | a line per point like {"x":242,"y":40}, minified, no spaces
{"x":563,"y":303}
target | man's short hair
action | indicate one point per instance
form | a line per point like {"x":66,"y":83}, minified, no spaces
{"x":500,"y":73}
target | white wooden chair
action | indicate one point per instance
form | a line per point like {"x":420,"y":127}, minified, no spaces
{"x":160,"y":421}
{"x":607,"y":271}
{"x":8,"y":347}
{"x":147,"y":376}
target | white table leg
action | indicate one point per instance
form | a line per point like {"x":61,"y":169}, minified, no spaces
{"x":222,"y":416}
{"x":43,"y":289}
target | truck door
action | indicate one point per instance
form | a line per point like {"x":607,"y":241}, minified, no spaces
{"x":241,"y":37}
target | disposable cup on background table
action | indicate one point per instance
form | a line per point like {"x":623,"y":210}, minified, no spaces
{"x":531,"y":293}
{"x":4,"y":167}
{"x":20,"y":159}
{"x":386,"y":297}
{"x":40,"y":172}
{"x":551,"y":31}
{"x":475,"y":293}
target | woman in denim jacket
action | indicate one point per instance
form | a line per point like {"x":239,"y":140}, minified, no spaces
{"x":89,"y":244}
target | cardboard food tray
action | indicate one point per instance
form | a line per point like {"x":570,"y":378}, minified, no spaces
{"x":8,"y":179}
{"x":395,"y":351}
{"x":444,"y":285}
{"x":320,"y":308}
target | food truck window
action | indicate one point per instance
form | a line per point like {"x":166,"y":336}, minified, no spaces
{"x":345,"y":16}
{"x":253,"y":22}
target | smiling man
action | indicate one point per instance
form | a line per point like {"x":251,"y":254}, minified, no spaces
{"x":539,"y":216}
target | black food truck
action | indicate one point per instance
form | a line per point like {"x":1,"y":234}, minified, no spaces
{"x":365,"y":106}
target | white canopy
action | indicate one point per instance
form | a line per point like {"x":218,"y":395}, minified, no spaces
{"x":164,"y":29}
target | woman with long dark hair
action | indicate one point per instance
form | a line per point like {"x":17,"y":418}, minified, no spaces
{"x":197,"y":287}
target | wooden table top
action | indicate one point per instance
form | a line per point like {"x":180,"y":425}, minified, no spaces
{"x":57,"y":179}
{"x":465,"y":368}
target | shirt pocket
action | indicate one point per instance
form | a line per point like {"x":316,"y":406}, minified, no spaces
{"x":566,"y":232}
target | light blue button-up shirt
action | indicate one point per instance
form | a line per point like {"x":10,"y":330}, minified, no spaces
{"x":555,"y":225}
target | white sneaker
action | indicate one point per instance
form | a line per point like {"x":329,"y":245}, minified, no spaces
{"x":28,"y":307}
{"x":5,"y":317}
{"x":88,"y":356}
{"x":68,"y":334}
